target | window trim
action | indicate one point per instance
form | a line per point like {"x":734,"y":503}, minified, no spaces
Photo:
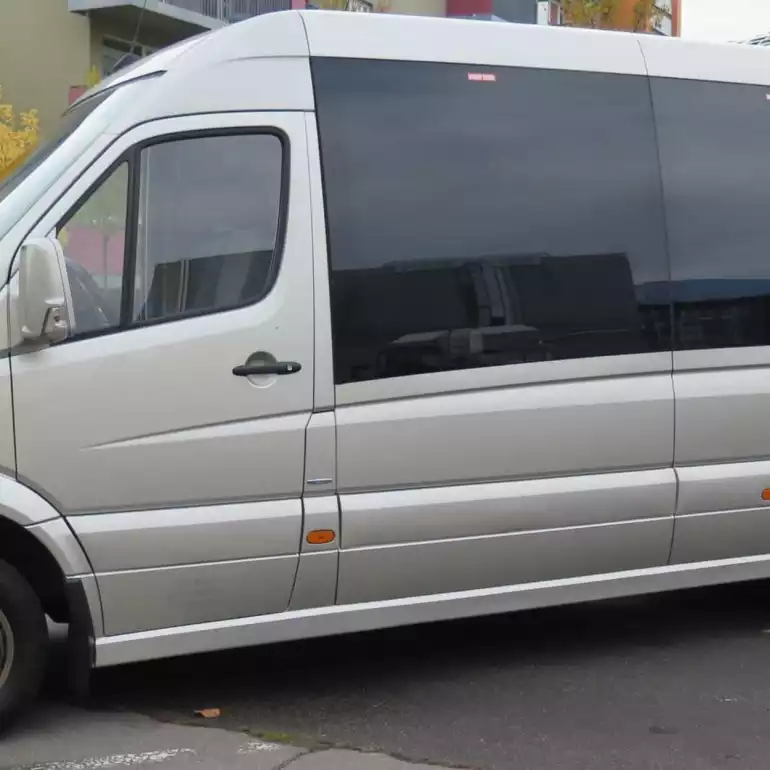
{"x":130,"y":242}
{"x":132,"y":156}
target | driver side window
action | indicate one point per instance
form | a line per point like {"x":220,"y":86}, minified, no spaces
{"x":93,"y":240}
{"x":187,"y":225}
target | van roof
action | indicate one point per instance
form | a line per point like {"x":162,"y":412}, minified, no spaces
{"x":421,"y":38}
{"x":303,"y":34}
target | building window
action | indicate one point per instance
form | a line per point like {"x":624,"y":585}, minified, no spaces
{"x":550,"y":12}
{"x":663,"y":18}
{"x":113,"y":50}
{"x":715,"y":151}
{"x":663,"y":25}
{"x":487,"y":218}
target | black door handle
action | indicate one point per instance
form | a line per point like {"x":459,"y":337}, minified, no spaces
{"x":259,"y":368}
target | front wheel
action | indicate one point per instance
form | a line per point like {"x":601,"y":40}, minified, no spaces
{"x":23,"y":644}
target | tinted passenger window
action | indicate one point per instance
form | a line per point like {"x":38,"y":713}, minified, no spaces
{"x":488,"y":217}
{"x":715,"y":152}
{"x":208,"y":224}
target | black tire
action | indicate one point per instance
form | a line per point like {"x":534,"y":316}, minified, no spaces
{"x":22,"y":614}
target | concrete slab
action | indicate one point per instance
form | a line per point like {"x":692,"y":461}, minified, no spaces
{"x":63,"y":738}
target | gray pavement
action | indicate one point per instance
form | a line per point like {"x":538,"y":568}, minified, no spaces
{"x":678,"y":682}
{"x":61,"y":738}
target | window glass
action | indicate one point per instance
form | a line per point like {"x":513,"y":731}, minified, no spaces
{"x":715,"y":153}
{"x":93,"y":240}
{"x":482,"y":217}
{"x":113,"y":51}
{"x":208,"y":224}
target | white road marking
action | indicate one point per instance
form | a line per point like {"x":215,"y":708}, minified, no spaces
{"x":254,"y":747}
{"x":116,"y":760}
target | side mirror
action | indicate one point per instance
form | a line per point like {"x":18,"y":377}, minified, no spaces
{"x":43,"y":307}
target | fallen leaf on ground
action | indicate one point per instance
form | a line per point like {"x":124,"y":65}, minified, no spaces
{"x":209,"y":713}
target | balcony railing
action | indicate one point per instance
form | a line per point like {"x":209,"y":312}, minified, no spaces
{"x":230,"y":10}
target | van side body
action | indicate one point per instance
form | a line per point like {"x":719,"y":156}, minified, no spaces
{"x":381,"y":321}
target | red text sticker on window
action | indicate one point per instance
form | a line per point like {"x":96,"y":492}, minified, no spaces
{"x":482,"y":77}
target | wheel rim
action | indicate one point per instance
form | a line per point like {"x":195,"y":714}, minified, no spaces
{"x":6,"y":649}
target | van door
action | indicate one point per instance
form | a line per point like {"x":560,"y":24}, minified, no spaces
{"x":170,"y":428}
{"x":715,"y":154}
{"x":500,"y":318}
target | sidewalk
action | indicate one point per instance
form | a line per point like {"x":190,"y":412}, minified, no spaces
{"x":63,"y":738}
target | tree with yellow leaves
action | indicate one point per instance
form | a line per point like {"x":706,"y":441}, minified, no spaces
{"x":589,"y":13}
{"x":93,"y":77}
{"x":611,"y":14}
{"x":19,"y":134}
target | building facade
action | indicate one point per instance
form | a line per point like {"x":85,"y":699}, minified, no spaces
{"x":76,"y":39}
{"x":667,"y":20}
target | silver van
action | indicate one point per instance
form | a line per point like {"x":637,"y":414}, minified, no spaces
{"x":330,"y":322}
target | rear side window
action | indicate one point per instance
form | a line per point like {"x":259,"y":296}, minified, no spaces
{"x":488,"y":217}
{"x":715,"y":152}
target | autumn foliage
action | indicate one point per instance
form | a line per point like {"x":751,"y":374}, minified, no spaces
{"x":19,"y":134}
{"x":610,"y":14}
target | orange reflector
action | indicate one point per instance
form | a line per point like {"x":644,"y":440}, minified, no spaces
{"x":766,"y":494}
{"x":321,"y":536}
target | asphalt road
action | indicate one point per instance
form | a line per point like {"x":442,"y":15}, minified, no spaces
{"x":676,"y":682}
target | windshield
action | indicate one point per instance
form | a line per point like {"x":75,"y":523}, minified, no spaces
{"x":78,"y":129}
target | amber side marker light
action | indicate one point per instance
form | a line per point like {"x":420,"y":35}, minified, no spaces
{"x":323,"y":536}
{"x":766,"y":494}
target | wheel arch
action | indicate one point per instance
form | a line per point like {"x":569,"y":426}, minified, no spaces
{"x":37,"y":541}
{"x":26,"y":553}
